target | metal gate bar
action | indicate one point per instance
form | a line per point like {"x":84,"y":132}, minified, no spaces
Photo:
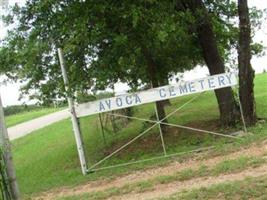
{"x":154,"y":158}
{"x":177,"y":125}
{"x":160,"y":122}
{"x":160,"y":130}
{"x":141,"y":134}
{"x":125,"y":145}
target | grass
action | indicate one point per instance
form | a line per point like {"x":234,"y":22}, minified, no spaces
{"x":48,"y":158}
{"x":224,"y":167}
{"x":250,"y":188}
{"x":13,"y":120}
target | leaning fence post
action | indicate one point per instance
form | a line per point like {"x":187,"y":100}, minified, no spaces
{"x":74,"y":119}
{"x":5,"y":145}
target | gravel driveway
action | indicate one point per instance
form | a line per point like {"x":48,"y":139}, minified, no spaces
{"x":25,"y":128}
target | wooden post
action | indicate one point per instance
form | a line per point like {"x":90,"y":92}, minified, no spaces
{"x":6,"y":148}
{"x":74,"y":119}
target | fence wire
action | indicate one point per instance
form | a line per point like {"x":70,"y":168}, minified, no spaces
{"x":4,"y":183}
{"x":161,"y":122}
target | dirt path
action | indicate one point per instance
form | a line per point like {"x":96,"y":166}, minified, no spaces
{"x":169,"y":189}
{"x":154,"y":172}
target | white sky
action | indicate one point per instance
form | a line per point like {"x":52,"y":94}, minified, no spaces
{"x":10,"y":92}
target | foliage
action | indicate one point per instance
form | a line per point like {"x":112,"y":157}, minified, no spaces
{"x":85,"y":96}
{"x":15,"y":109}
{"x":106,"y":41}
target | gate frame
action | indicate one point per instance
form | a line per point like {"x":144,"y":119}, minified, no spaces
{"x":159,"y":122}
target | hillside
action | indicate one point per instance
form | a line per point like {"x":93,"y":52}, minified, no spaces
{"x":47,"y":159}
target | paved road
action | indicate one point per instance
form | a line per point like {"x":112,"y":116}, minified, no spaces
{"x":25,"y":128}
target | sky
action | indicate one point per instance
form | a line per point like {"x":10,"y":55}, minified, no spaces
{"x":10,"y":91}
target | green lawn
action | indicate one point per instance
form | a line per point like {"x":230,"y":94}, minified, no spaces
{"x":224,"y":167}
{"x":250,"y":188}
{"x":13,"y":120}
{"x":48,"y":158}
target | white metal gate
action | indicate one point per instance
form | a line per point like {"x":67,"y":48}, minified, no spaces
{"x":155,"y":94}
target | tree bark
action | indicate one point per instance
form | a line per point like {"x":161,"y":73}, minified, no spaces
{"x":246,"y":73}
{"x":229,"y":112}
{"x":152,"y":72}
{"x":162,"y":82}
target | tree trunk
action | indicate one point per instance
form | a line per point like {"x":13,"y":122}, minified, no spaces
{"x":229,"y":112}
{"x":154,"y":82}
{"x":152,"y":72}
{"x":246,"y":73}
{"x":163,"y":82}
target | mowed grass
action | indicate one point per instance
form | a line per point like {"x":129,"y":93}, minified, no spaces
{"x":224,"y":167}
{"x":250,"y":188}
{"x":48,"y":158}
{"x":13,"y":120}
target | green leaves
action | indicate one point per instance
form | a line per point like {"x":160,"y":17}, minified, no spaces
{"x":104,"y":41}
{"x":162,"y":35}
{"x":135,"y":17}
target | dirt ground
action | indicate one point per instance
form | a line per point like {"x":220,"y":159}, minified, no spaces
{"x":162,"y":190}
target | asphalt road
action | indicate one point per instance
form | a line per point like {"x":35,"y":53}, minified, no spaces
{"x":25,"y":128}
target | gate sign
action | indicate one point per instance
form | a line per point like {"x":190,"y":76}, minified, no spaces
{"x":157,"y":94}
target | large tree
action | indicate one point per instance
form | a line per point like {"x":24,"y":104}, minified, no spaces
{"x":228,"y":109}
{"x":107,"y":41}
{"x":246,"y":73}
{"x":134,"y":42}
